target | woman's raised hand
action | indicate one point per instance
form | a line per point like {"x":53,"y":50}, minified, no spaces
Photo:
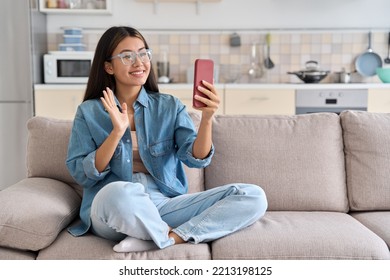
{"x":120,"y":120}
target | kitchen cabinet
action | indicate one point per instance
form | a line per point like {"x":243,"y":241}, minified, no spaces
{"x":57,"y":102}
{"x":184,"y":93}
{"x":379,"y":100}
{"x":61,"y":101}
{"x":76,"y":6}
{"x":256,"y":101}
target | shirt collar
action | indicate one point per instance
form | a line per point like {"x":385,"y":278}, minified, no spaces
{"x":143,"y":97}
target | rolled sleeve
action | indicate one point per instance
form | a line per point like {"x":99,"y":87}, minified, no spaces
{"x":90,"y":170}
{"x":192,"y":161}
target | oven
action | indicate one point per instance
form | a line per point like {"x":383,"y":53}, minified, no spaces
{"x":330,"y":100}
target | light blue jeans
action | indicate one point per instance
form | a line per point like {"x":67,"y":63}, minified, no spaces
{"x":138,"y":209}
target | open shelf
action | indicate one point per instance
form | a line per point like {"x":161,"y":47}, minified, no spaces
{"x":81,"y":7}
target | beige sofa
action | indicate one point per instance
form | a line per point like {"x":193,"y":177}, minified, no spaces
{"x":326,"y":176}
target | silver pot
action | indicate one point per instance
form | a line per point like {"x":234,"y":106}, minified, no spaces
{"x":342,"y":77}
{"x":311,"y":74}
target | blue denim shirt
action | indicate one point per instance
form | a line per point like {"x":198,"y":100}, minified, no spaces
{"x":165,"y":135}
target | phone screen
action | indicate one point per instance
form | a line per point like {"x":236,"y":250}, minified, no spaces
{"x":204,"y":70}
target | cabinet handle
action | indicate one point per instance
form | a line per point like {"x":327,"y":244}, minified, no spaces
{"x":258,"y":99}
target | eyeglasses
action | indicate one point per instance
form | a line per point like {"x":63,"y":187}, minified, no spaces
{"x":129,"y":58}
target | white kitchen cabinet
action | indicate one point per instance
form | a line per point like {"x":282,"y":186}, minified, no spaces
{"x":379,"y":100}
{"x":58,"y":103}
{"x":255,"y":101}
{"x":76,"y":6}
{"x":184,"y":93}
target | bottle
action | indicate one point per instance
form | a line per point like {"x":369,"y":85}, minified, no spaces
{"x":61,"y":4}
{"x":52,"y":4}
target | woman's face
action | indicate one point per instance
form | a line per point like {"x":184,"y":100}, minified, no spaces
{"x":133,"y":73}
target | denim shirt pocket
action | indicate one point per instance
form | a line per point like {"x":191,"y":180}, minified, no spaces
{"x":163,"y":160}
{"x":161,"y":148}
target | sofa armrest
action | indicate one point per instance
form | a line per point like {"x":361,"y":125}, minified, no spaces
{"x":34,"y":211}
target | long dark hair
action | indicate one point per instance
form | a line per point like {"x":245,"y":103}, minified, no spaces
{"x":99,"y":79}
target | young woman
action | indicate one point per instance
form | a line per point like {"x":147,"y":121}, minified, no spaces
{"x":126,"y":150}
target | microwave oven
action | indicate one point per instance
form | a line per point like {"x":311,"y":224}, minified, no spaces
{"x":68,"y":67}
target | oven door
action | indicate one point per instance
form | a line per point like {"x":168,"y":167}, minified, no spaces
{"x":330,"y":100}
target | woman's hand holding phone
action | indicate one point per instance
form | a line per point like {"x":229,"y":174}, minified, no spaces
{"x":205,"y":96}
{"x":209,"y":99}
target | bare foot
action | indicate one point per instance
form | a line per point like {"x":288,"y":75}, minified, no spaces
{"x":131,"y":244}
{"x":178,"y":239}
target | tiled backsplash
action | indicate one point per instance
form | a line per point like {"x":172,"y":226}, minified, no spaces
{"x":333,"y":50}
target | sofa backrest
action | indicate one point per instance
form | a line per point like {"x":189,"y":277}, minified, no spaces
{"x":367,"y":157}
{"x":298,"y":160}
{"x":47,"y":147}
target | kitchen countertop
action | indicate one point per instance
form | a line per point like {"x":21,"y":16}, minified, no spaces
{"x":311,"y":86}
{"x":245,"y":86}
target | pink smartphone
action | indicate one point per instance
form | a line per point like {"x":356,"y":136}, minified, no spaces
{"x":204,"y":70}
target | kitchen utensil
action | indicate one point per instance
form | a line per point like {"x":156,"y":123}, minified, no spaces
{"x":311,"y":74}
{"x":230,"y":73}
{"x":387,"y":59}
{"x":163,"y":65}
{"x":344,"y":77}
{"x":163,"y":72}
{"x":235,"y":40}
{"x":383,"y":74}
{"x":367,"y":63}
{"x":255,"y":70}
{"x":268,"y":63}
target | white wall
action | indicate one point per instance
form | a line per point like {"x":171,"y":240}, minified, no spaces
{"x":238,"y":14}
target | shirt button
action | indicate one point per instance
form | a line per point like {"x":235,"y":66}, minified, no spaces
{"x":128,"y":140}
{"x":128,"y":160}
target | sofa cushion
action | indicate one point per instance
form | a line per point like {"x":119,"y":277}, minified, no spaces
{"x":34,"y":211}
{"x":367,"y":154}
{"x":14,"y":254}
{"x":297,"y":160}
{"x":91,"y":247}
{"x":302,"y":235}
{"x":47,"y":147}
{"x":377,"y":221}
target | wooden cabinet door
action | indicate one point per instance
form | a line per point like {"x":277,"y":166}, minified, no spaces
{"x":378,"y":100}
{"x":260,"y":101}
{"x":57,"y":103}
